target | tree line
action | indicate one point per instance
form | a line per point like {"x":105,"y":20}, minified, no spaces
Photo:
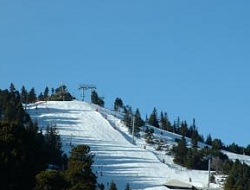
{"x":60,"y":93}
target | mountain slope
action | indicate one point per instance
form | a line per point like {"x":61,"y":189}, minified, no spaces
{"x":116,"y":158}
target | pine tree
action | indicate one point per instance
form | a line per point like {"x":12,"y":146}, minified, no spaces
{"x":61,"y":94}
{"x":52,"y":91}
{"x":112,"y":186}
{"x":46,"y":93}
{"x":195,"y":139}
{"x":127,"y":187}
{"x":194,"y":135}
{"x":209,"y":140}
{"x":24,"y":95}
{"x":153,"y":120}
{"x":53,"y":142}
{"x":101,"y":102}
{"x":128,"y":113}
{"x":118,"y":104}
{"x":14,"y":92}
{"x":95,"y":99}
{"x":12,"y":88}
{"x":40,"y":97}
{"x":101,"y":186}
{"x":11,"y":106}
{"x":32,"y":96}
{"x":50,"y":180}
{"x":21,"y":146}
{"x":217,"y":144}
{"x":184,"y":128}
{"x":138,"y":120}
{"x":164,"y":121}
{"x":180,"y":151}
{"x":239,"y":177}
{"x":79,"y":174}
{"x":178,"y":122}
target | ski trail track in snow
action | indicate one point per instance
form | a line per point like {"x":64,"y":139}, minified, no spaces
{"x":116,"y":158}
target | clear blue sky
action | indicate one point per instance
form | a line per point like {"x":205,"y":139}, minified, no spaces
{"x":187,"y":58}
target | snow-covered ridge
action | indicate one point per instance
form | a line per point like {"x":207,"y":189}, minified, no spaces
{"x":116,"y":158}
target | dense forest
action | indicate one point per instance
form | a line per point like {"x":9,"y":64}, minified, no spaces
{"x":27,"y":154}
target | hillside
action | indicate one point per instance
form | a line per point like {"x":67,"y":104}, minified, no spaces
{"x":116,"y":158}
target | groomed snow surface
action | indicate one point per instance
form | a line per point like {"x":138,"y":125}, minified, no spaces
{"x":116,"y":158}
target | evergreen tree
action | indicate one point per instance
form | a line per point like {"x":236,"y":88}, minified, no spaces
{"x":14,"y":92}
{"x":79,"y":174}
{"x":127,"y":187}
{"x":32,"y":96}
{"x":118,"y":104}
{"x":178,"y":122}
{"x":95,"y":99}
{"x":209,"y":140}
{"x":174,"y":127}
{"x":235,"y":148}
{"x":138,"y":120}
{"x":40,"y":97}
{"x":12,"y":109}
{"x":184,"y":129}
{"x":22,"y":152}
{"x":50,"y":180}
{"x":46,"y":93}
{"x":53,"y":143}
{"x":180,"y":151}
{"x":239,"y":177}
{"x":128,"y":120}
{"x":61,"y":94}
{"x":21,"y":157}
{"x":52,"y":91}
{"x":12,"y":88}
{"x":146,"y":119}
{"x":164,"y":121}
{"x":101,"y":186}
{"x":217,"y":144}
{"x":101,"y":102}
{"x":194,"y":160}
{"x":24,"y":95}
{"x":195,"y":139}
{"x":112,"y":186}
{"x":153,"y":119}
{"x":194,"y":134}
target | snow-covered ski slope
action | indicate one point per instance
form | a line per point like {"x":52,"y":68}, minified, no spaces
{"x":116,"y":158}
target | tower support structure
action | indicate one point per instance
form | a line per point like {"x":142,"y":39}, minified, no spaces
{"x":84,"y":87}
